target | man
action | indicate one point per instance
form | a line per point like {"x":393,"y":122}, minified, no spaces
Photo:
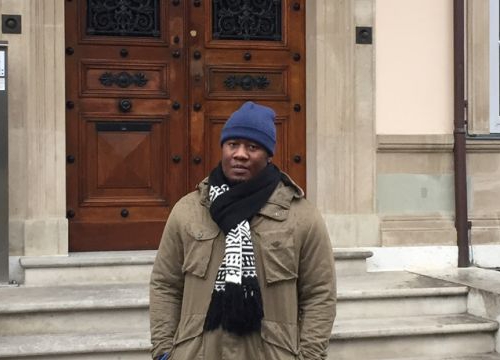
{"x":245,"y":268}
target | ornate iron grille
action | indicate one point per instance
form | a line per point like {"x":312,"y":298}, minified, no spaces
{"x":123,"y":17}
{"x":246,"y":20}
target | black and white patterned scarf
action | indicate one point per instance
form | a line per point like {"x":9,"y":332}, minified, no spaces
{"x":236,"y":302}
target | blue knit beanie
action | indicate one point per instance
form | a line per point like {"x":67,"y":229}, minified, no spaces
{"x":252,"y":122}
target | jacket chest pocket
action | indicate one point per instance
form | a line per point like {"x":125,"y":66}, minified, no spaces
{"x":278,"y":255}
{"x":198,"y":249}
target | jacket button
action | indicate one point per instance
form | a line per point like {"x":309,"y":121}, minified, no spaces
{"x":275,"y":243}
{"x":199,"y":235}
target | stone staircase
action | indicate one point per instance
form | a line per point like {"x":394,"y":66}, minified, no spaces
{"x":399,"y":314}
{"x":392,"y":315}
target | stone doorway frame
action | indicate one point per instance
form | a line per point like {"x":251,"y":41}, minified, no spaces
{"x":341,"y":136}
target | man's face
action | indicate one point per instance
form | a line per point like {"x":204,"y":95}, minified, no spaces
{"x":242,"y":159}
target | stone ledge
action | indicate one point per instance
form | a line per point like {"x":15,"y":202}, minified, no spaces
{"x":116,"y":258}
{"x":126,"y":258}
{"x":476,"y":278}
{"x":417,"y":230}
{"x":351,"y":253}
{"x":432,"y":143}
{"x":438,"y":143}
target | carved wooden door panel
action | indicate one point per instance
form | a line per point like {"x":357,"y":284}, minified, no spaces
{"x":126,"y":132}
{"x":243,"y":50}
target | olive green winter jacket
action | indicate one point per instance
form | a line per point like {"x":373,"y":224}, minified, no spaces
{"x":295,"y":268}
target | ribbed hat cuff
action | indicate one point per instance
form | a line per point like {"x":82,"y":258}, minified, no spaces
{"x":242,"y":132}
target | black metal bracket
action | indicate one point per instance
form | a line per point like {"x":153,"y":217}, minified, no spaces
{"x":364,"y":35}
{"x":11,"y":24}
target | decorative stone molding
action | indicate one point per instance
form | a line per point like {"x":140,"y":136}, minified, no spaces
{"x":414,"y":143}
{"x":432,"y":144}
{"x":483,"y":146}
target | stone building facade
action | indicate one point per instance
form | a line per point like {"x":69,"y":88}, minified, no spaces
{"x":379,"y":135}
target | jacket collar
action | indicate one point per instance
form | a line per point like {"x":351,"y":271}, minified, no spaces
{"x":277,"y":204}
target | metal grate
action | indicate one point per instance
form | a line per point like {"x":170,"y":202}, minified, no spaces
{"x":123,"y":18}
{"x":246,"y":20}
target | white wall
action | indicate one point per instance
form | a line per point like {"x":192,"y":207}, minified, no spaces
{"x":414,"y":66}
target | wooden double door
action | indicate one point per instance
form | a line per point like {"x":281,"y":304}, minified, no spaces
{"x":149,"y":85}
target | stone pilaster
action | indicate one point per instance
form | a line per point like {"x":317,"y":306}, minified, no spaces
{"x":37,"y":129}
{"x":341,"y":134}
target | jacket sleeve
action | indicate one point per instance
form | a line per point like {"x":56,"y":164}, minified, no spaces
{"x":166,"y":288}
{"x":317,"y":291}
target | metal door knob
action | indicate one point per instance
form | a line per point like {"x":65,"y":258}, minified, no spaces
{"x":197,"y":160}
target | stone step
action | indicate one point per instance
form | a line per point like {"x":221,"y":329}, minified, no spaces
{"x":114,"y":267}
{"x":119,"y":267}
{"x":112,"y":307}
{"x":75,"y":346}
{"x":390,"y":294}
{"x":491,"y":356}
{"x":86,"y":309}
{"x":418,"y":336}
{"x":351,"y":340}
